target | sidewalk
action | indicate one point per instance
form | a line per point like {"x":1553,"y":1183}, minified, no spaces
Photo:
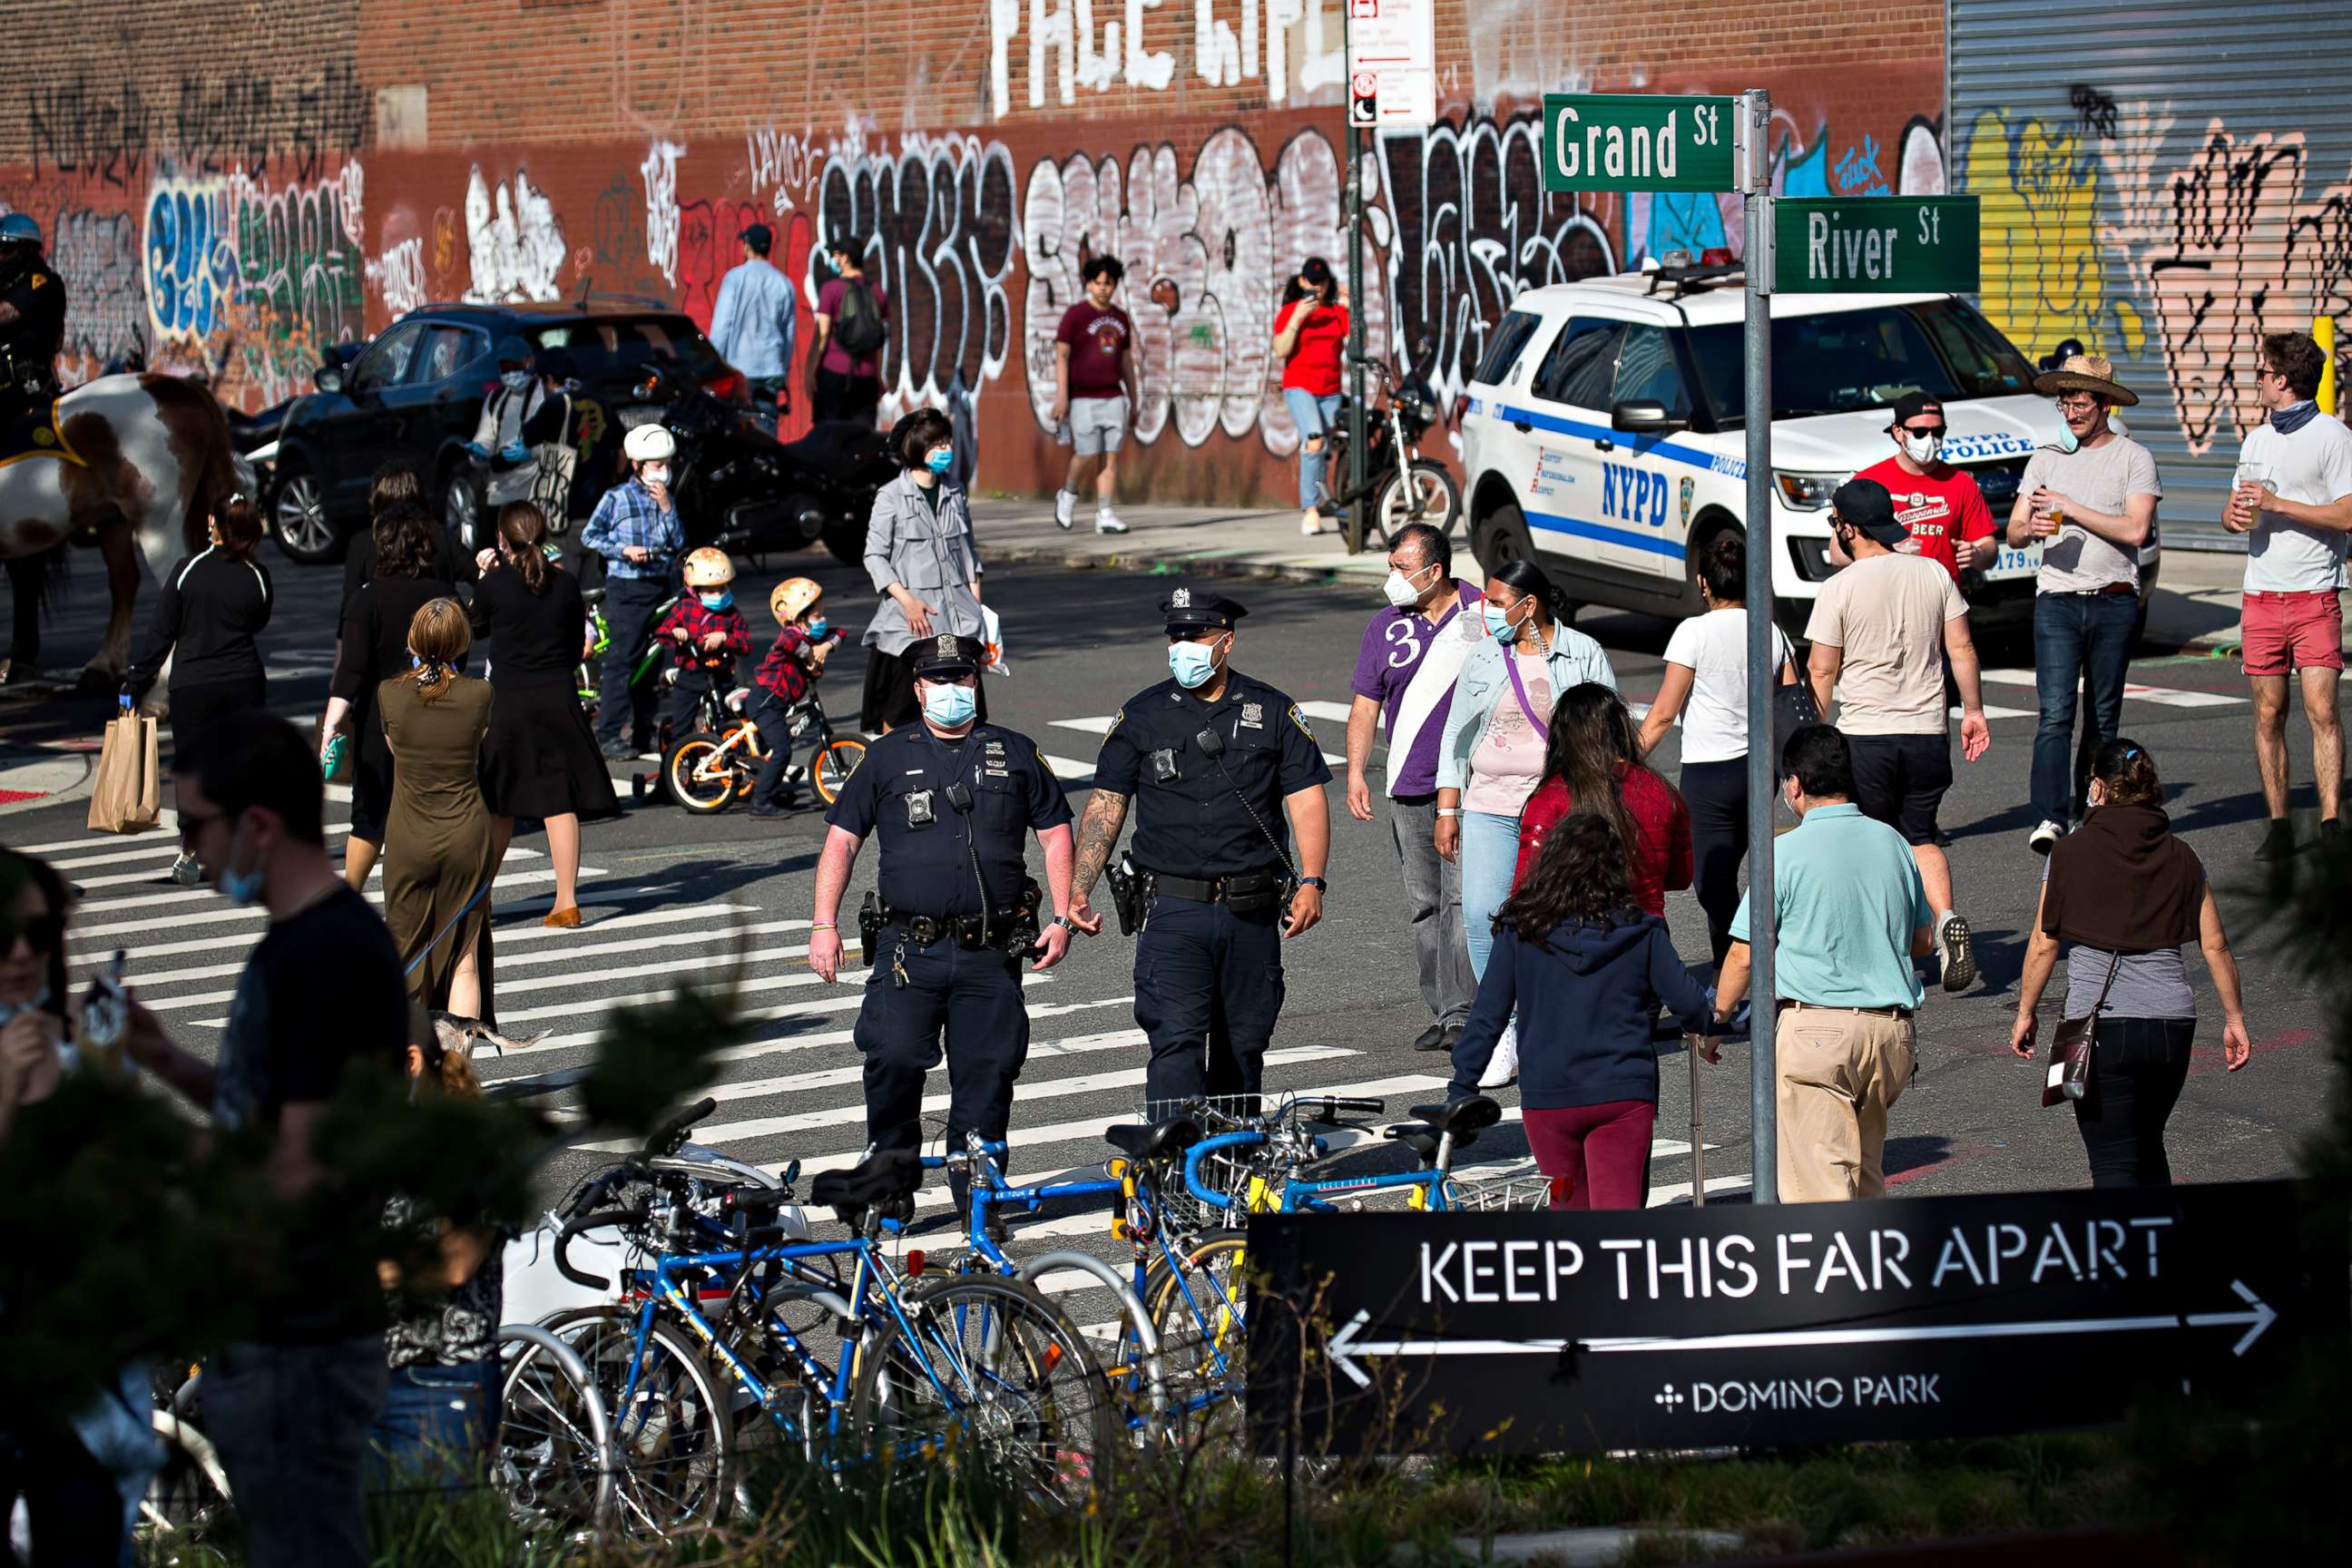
{"x":2195,"y":608}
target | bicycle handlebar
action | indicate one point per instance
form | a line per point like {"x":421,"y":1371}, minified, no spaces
{"x":1207,"y":1146}
{"x":590,"y":1222}
{"x":1328,"y":1107}
{"x":670,"y":1136}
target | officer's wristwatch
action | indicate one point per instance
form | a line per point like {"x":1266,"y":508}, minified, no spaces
{"x":1318,"y":883}
{"x":1065,"y":922}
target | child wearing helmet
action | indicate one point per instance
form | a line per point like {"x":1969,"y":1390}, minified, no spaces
{"x":804,"y":640}
{"x":636,"y":529}
{"x":706,"y":632}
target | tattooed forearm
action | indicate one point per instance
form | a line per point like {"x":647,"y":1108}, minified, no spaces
{"x":1098,"y":837}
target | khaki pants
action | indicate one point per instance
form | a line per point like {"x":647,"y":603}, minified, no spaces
{"x":1839,"y":1073}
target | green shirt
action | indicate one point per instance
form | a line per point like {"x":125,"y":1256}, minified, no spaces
{"x":1846,"y":897}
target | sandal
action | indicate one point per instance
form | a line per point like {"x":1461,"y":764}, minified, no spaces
{"x":564,"y":919}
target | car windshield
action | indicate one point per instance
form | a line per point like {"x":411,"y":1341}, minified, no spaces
{"x":1839,"y":362}
{"x":605,"y":346}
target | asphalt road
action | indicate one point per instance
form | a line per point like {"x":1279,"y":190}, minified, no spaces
{"x":662,"y":889}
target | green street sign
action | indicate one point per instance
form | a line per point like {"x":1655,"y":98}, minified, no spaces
{"x":1875,"y":245}
{"x":1637,"y":141}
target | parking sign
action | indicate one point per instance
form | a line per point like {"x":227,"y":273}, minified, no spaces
{"x":1392,"y":62}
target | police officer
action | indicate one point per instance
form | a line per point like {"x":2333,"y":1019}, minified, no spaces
{"x":953,"y":802}
{"x":32,"y":319}
{"x":1213,"y":762}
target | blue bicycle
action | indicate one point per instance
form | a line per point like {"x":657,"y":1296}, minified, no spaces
{"x":1277,"y":1158}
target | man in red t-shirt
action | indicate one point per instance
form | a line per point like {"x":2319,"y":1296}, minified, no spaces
{"x":1938,"y":503}
{"x":1094,"y":392}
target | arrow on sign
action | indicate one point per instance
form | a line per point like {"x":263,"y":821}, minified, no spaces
{"x":1346,"y":1346}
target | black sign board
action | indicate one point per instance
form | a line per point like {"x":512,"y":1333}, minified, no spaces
{"x":1722,"y":1326}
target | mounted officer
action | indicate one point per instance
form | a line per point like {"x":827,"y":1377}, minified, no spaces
{"x":32,"y":332}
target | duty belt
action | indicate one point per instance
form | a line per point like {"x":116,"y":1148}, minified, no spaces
{"x":965,"y":931}
{"x":1215,"y":890}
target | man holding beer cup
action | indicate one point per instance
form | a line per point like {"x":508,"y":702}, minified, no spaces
{"x":2294,"y":498}
{"x":2089,"y":502}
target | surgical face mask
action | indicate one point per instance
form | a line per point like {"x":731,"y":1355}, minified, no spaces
{"x":1498,"y":623}
{"x":2067,"y":440}
{"x":9,"y":1010}
{"x":941,"y":461}
{"x":1192,"y":663}
{"x":950,"y":707}
{"x":242,"y":889}
{"x":1400,"y":589}
{"x":515,"y":379}
{"x":657,"y":474}
{"x":819,"y":627}
{"x":723,"y":599}
{"x":1921,"y":449}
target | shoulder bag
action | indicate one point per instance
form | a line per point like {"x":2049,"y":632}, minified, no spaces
{"x":1792,"y":706}
{"x":1511,"y":669}
{"x":2070,"y":1049}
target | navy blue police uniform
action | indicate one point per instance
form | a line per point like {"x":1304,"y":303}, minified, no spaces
{"x":1211,"y":847}
{"x":953,"y":819}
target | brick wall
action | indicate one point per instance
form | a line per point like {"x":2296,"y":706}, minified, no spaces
{"x":233,"y":186}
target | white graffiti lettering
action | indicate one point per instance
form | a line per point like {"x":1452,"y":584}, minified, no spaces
{"x":514,"y":246}
{"x":659,"y":172}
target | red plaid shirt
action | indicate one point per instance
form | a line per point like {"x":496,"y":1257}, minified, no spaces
{"x":689,"y":616}
{"x":787,"y":671}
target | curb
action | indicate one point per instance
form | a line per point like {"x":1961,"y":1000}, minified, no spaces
{"x":45,"y":778}
{"x":1250,"y":568}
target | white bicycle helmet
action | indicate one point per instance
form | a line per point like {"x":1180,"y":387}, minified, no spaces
{"x":649,"y":444}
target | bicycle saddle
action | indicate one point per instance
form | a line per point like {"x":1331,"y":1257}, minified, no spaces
{"x":1462,"y":1117}
{"x":736,"y":698}
{"x":1165,"y":1140}
{"x":885,"y":1180}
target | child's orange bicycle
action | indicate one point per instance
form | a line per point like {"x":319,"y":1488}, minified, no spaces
{"x":715,"y":764}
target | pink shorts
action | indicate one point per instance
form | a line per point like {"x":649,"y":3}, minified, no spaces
{"x":2284,"y":632}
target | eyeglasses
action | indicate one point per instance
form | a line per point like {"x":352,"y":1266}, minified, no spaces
{"x":2267,"y":375}
{"x":2082,"y":403}
{"x":43,"y":933}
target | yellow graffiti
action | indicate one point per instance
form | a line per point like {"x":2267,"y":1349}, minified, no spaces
{"x":2044,"y":266}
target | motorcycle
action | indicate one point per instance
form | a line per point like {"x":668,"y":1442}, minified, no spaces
{"x":731,"y":477}
{"x":1402,"y":486}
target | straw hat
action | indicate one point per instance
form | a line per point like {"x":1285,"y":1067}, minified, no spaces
{"x":2086,"y":373}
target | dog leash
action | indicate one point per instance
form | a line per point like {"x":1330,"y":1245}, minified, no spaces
{"x":445,"y":930}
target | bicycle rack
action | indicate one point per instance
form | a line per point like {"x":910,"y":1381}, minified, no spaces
{"x":600,"y":1428}
{"x":1146,"y":1336}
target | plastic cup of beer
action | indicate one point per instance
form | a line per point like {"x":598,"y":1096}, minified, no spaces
{"x":2249,"y":477}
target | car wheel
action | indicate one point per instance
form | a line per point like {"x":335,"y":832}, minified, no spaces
{"x":462,"y":510}
{"x":1500,"y":537}
{"x":298,"y":515}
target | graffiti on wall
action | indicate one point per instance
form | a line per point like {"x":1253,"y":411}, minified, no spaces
{"x":1045,"y":53}
{"x":1207,"y":250}
{"x":2117,"y":224}
{"x":214,"y":123}
{"x":106,"y":317}
{"x":514,"y":246}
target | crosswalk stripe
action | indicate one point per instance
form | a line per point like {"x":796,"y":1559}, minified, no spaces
{"x":2164,"y":696}
{"x":228,"y":912}
{"x":521,"y":932}
{"x":159,"y":847}
{"x":1994,"y":711}
{"x":1069,"y":769}
{"x":163,"y":836}
{"x":132,"y":879}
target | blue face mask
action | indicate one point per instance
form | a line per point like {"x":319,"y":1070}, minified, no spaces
{"x":242,"y":889}
{"x":949,"y":706}
{"x":1192,"y":663}
{"x":941,"y":461}
{"x":1498,"y":623}
{"x":819,"y":628}
{"x":2067,"y":441}
{"x":723,"y":599}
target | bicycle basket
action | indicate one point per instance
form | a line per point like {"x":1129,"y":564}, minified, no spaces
{"x":1499,"y":1193}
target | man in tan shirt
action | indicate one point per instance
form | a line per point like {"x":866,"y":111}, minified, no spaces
{"x":1881,"y":631}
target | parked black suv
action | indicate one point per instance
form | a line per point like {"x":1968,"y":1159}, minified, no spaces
{"x":415,"y":393}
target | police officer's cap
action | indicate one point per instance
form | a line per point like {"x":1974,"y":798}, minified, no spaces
{"x":948,"y":655}
{"x":1197,"y":610}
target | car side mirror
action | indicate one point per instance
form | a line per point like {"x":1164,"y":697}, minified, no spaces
{"x":329,"y":378}
{"x":1644,"y":416}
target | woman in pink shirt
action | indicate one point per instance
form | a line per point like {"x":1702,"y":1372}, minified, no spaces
{"x":1311,"y":337}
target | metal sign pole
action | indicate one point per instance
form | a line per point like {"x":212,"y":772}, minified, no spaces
{"x":1763,"y":767}
{"x":1353,"y":525}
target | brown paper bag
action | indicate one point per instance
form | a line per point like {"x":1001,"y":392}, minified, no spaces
{"x":128,"y":795}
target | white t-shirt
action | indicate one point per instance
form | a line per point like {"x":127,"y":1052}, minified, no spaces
{"x":1713,"y":648}
{"x":2313,"y":466}
{"x":2104,"y":478}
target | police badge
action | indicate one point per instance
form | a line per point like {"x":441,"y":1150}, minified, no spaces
{"x":1688,"y":487}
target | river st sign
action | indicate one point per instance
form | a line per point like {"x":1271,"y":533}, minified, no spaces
{"x":1637,"y":141}
{"x":1875,"y":245}
{"x":1729,"y":1326}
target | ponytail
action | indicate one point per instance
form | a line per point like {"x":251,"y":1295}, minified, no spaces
{"x":238,"y":522}
{"x":522,"y":530}
{"x":440,"y":637}
{"x":1524,"y":576}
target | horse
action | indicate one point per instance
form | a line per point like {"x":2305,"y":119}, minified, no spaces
{"x":139,"y":462}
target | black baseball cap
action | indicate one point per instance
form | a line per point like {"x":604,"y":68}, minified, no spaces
{"x":1912,"y":404}
{"x":948,"y":655}
{"x":1866,"y":505}
{"x":760,"y":237}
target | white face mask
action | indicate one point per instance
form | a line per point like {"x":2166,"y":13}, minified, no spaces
{"x":1400,"y":589}
{"x":1921,"y":449}
{"x":657,"y":474}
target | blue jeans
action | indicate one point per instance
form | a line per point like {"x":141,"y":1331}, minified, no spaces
{"x":1490,"y":853}
{"x":1313,"y":416}
{"x":436,"y":1427}
{"x":2076,"y":636}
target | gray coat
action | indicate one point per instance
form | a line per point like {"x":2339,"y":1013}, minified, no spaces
{"x":930,"y":554}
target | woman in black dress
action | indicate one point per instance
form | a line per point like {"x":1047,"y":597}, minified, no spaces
{"x":541,"y":758}
{"x":373,"y":648}
{"x":212,"y":606}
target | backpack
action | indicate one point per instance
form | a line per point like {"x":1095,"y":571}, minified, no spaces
{"x":858,"y":325}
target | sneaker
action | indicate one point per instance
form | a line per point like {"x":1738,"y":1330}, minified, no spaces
{"x":1503,"y":1067}
{"x":1065,"y":506}
{"x":1959,"y":953}
{"x":1310,"y":523}
{"x":2279,"y":842}
{"x":185,"y":873}
{"x":617,"y":751}
{"x":1106,"y":521}
{"x":1430,"y":1039}
{"x":2045,"y":837}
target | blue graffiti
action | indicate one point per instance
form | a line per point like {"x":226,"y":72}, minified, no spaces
{"x":1692,"y":222}
{"x":192,"y":272}
{"x":1806,"y":173}
{"x":1857,"y":173}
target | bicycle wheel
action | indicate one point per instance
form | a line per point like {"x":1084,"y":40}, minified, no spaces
{"x":1427,"y":485}
{"x":1198,"y":1310}
{"x":673,"y":1425}
{"x":546,"y":1457}
{"x":695,"y":775}
{"x":834,"y":766}
{"x":994,"y":1363}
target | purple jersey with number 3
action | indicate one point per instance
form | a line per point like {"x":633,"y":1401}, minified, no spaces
{"x":1396,"y":648}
